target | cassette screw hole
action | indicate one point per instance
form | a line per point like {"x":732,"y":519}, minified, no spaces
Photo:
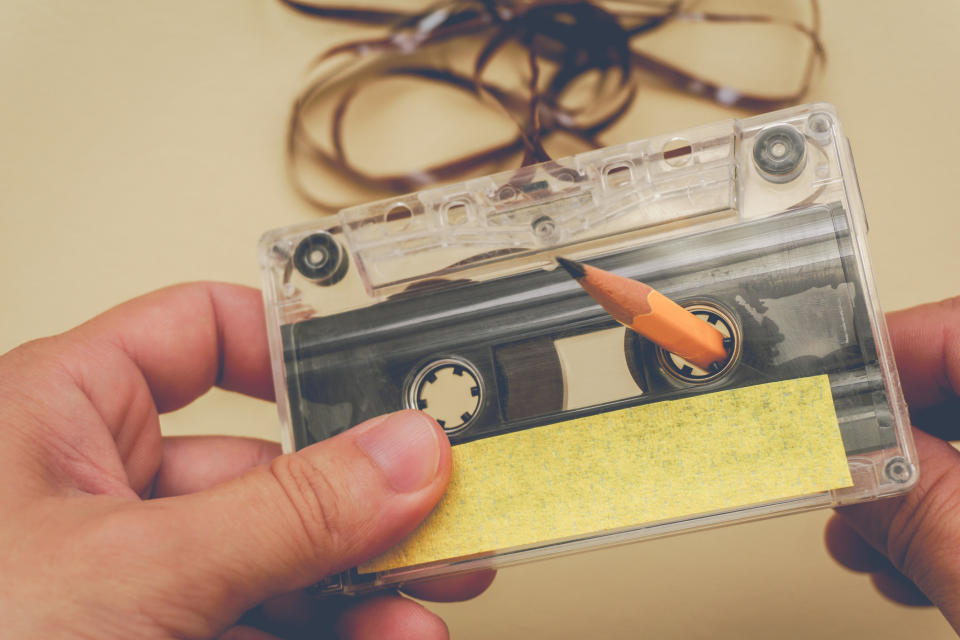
{"x":819,"y":127}
{"x":898,"y":470}
{"x":545,"y":229}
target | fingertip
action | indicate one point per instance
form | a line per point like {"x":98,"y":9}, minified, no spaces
{"x":188,"y":337}
{"x":245,"y":352}
{"x":850,"y":550}
{"x":895,"y":586}
{"x":879,"y":522}
{"x":927,"y":351}
{"x":408,"y":449}
{"x":390,"y":617}
{"x":452,"y":589}
{"x":321,"y":510}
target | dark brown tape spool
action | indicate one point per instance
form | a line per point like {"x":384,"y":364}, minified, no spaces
{"x":523,"y":395}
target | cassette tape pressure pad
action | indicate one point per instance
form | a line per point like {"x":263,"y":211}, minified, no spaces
{"x":571,"y":431}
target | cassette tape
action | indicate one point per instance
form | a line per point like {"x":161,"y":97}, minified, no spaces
{"x":571,"y":431}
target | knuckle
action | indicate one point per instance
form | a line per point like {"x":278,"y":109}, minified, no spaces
{"x":312,"y":498}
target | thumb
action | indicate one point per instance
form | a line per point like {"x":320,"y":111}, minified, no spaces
{"x":920,"y":531}
{"x":309,"y":514}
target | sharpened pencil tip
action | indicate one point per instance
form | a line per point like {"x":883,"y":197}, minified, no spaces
{"x":574,"y":268}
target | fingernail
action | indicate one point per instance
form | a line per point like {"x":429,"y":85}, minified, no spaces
{"x":406,"y":448}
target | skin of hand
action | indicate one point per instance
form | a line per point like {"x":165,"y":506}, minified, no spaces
{"x":910,"y":544}
{"x":111,"y":531}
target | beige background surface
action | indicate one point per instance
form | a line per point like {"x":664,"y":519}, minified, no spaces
{"x":141,"y":145}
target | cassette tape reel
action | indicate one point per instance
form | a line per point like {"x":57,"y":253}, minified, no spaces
{"x":450,"y":390}
{"x":448,"y":302}
{"x":683,"y":372}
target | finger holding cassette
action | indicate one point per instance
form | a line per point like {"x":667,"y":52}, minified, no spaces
{"x":116,"y":532}
{"x":908,"y":544}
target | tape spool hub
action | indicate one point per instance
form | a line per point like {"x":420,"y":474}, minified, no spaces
{"x":450,"y":390}
{"x":677,"y":368}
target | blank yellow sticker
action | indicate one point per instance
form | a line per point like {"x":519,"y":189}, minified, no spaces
{"x":633,"y":466}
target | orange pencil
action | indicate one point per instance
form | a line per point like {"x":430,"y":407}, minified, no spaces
{"x":651,"y":314}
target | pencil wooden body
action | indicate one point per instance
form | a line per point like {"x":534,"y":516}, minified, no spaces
{"x":651,"y":314}
{"x":680,"y":332}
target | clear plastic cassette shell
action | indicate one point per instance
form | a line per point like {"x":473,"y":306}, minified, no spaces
{"x":422,"y":300}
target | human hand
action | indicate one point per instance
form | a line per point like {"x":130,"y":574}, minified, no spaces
{"x":110,"y":531}
{"x":910,"y":544}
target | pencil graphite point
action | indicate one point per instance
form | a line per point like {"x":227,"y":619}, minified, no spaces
{"x":575,"y":269}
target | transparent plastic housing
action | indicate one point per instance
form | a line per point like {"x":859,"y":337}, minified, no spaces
{"x":760,"y":219}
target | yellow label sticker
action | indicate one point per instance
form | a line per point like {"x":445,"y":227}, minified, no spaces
{"x":633,"y":466}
